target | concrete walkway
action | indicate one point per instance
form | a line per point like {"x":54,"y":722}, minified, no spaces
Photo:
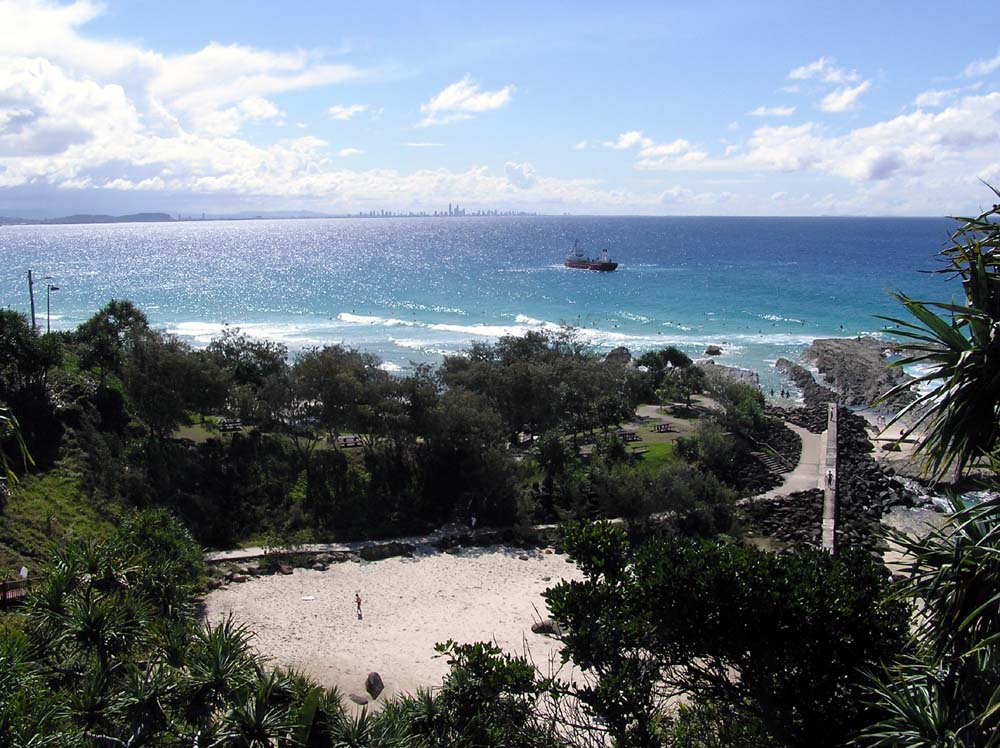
{"x":243,"y":554}
{"x":828,"y":471}
{"x":809,"y":473}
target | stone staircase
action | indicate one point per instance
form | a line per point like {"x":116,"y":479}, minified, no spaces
{"x":773,"y":462}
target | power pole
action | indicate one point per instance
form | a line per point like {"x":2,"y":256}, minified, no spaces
{"x":31,"y":293}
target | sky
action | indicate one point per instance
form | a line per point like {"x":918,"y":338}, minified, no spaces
{"x":665,"y":108}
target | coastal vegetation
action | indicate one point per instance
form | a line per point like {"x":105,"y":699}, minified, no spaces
{"x":133,"y":451}
{"x":330,"y":446}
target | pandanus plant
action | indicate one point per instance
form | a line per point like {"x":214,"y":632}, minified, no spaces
{"x":959,"y":346}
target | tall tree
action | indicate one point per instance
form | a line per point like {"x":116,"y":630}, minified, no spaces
{"x":106,"y":337}
{"x":777,"y":641}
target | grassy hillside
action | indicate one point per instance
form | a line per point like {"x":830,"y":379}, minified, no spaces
{"x":44,"y":510}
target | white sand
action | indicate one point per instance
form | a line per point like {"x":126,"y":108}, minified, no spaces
{"x":409,"y":604}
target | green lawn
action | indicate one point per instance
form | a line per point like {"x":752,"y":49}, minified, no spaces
{"x":660,"y":453}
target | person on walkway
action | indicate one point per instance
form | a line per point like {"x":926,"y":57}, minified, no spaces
{"x":357,"y":601}
{"x":829,"y":482}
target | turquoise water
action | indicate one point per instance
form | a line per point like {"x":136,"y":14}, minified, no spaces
{"x":414,"y":289}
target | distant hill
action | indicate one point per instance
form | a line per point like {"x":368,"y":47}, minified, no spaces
{"x":91,"y":218}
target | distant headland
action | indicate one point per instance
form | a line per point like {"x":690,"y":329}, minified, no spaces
{"x":89,"y":218}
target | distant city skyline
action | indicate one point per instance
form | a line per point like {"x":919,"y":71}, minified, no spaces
{"x":646,"y":108}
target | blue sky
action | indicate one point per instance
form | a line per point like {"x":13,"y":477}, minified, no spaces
{"x":661,"y":108}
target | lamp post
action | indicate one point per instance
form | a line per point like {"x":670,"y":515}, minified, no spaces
{"x":49,"y":288}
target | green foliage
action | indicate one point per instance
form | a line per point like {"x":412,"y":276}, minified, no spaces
{"x":699,"y":502}
{"x":679,"y":384}
{"x":776,"y":641}
{"x":163,"y":381}
{"x":247,"y":361}
{"x":487,"y":699}
{"x":25,"y":357}
{"x":948,"y":692}
{"x":10,"y":430}
{"x":661,"y":362}
{"x":960,"y":415}
{"x":742,"y":406}
{"x":44,"y":510}
{"x":106,"y":337}
{"x":710,"y":447}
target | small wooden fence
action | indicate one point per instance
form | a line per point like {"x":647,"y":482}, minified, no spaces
{"x":13,"y":592}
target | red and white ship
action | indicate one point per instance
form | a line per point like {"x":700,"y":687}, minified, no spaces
{"x":577,"y":259}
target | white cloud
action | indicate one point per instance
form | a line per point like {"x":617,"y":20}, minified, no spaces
{"x":213,"y":89}
{"x":344,"y":152}
{"x":581,"y":145}
{"x":652,"y":155}
{"x":825,"y":69}
{"x":462,"y":100}
{"x":679,"y":147}
{"x":844,"y":99}
{"x":773,"y":111}
{"x":956,"y":140}
{"x":423,"y":144}
{"x":521,"y":176}
{"x":950,"y":147}
{"x":935,"y":98}
{"x":229,"y":121}
{"x":982,"y":67}
{"x":346,"y":112}
{"x":45,"y":112}
{"x":631,"y":139}
{"x":778,"y":196}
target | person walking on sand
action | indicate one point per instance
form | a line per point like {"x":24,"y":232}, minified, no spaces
{"x":357,"y":601}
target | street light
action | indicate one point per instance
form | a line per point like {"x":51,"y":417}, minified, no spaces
{"x":49,"y":288}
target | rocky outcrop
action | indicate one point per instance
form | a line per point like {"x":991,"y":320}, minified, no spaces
{"x":713,"y":350}
{"x":546,"y":626}
{"x":720,"y":372}
{"x":812,"y":420}
{"x":863,"y":489}
{"x":620,"y":356}
{"x":857,"y":368}
{"x":374,"y":685}
{"x":796,"y":519}
{"x":813,"y":393}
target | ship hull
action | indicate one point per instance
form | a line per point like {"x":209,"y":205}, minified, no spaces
{"x":601,"y":267}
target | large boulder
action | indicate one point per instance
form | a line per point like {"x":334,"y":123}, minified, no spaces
{"x":546,"y":626}
{"x":620,"y":356}
{"x":713,"y":350}
{"x":374,"y":685}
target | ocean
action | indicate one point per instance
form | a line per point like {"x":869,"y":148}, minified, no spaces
{"x":413,"y":290}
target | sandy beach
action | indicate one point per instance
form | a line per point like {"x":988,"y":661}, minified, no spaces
{"x":409,"y":604}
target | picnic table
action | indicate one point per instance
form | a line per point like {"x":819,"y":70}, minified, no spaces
{"x":662,"y":428}
{"x":12,"y":592}
{"x":627,"y":435}
{"x":230,"y":424}
{"x":349,"y":441}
